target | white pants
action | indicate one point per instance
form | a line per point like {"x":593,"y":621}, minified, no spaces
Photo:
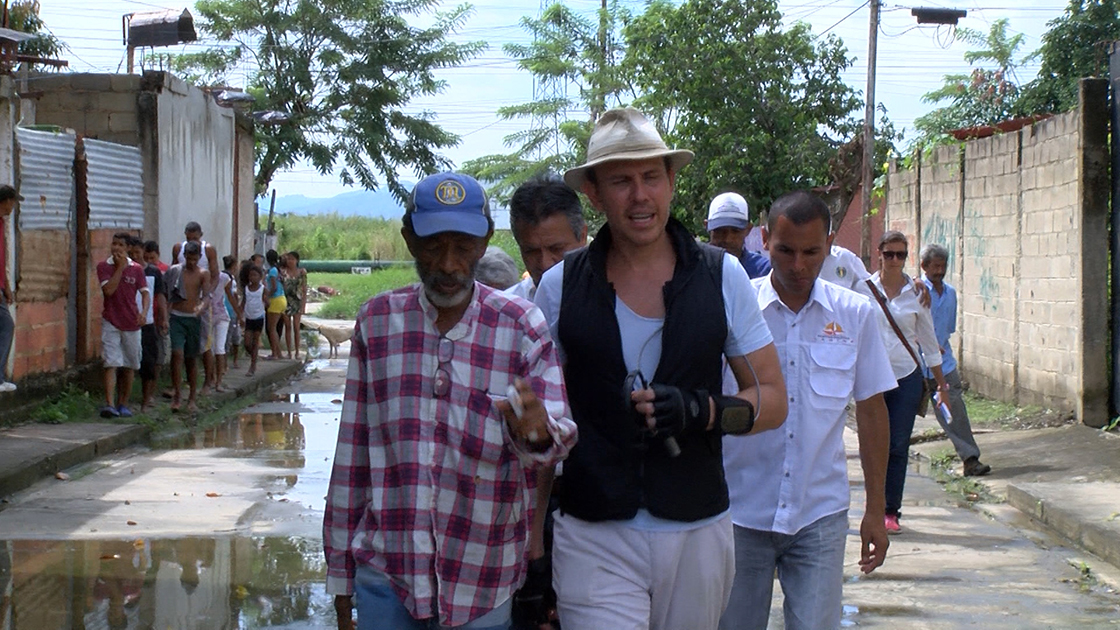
{"x":608,"y":575}
{"x":219,"y":333}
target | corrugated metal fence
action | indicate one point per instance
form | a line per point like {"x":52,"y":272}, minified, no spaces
{"x":46,"y":174}
{"x":114,"y":186}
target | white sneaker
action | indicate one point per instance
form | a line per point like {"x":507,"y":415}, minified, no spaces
{"x":7,"y":387}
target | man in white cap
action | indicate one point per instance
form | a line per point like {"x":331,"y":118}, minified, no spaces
{"x":428,"y":509}
{"x":728,"y":225}
{"x":644,"y":317}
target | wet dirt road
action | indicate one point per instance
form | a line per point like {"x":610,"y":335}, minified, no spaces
{"x":222,"y":529}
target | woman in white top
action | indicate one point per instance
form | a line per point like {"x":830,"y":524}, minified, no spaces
{"x":916,"y":325}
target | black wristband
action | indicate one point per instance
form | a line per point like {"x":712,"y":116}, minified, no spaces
{"x":734,"y":416}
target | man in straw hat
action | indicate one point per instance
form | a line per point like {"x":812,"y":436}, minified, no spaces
{"x":644,"y":317}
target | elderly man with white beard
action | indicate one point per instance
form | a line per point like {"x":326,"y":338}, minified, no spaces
{"x":454,"y":395}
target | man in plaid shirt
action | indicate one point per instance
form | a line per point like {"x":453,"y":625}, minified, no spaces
{"x":430,"y":500}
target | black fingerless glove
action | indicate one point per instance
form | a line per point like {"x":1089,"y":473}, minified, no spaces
{"x":533,"y":603}
{"x":679,"y":411}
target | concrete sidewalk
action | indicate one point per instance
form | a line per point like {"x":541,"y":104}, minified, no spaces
{"x":1067,"y":478}
{"x":32,"y":451}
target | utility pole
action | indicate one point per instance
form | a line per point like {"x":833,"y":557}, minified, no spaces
{"x":867,"y":179}
{"x":924,"y":15}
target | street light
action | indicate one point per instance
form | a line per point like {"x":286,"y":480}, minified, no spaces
{"x":924,"y":16}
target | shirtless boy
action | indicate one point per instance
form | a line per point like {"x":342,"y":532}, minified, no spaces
{"x":189,"y":287}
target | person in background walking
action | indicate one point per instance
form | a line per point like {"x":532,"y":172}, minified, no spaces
{"x":254,"y":305}
{"x":935,"y":260}
{"x":8,"y":199}
{"x":150,"y":344}
{"x":277,"y":302}
{"x":233,"y":337}
{"x":547,"y":222}
{"x":728,"y":225}
{"x":220,"y":318}
{"x":189,"y":289}
{"x":121,"y":321}
{"x":907,"y":331}
{"x":295,"y":291}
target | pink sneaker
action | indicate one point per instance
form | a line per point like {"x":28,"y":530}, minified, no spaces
{"x":891,"y":522}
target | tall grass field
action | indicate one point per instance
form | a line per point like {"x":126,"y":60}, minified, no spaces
{"x":334,"y":237}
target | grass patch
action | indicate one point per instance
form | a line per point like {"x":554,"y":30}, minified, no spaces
{"x":74,"y":404}
{"x":989,"y":413}
{"x":77,"y":405}
{"x":334,"y":237}
{"x":356,"y":289}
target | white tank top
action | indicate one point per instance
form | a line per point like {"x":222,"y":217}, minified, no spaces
{"x":254,"y":302}
{"x":203,"y":261}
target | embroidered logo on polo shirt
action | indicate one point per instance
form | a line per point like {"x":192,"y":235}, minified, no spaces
{"x":832,"y":329}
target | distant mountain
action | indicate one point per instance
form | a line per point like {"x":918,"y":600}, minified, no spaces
{"x":365,"y":203}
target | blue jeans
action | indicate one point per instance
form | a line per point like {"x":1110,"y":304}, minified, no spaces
{"x":902,"y":406}
{"x":7,"y":332}
{"x":810,"y":567}
{"x":379,"y":607}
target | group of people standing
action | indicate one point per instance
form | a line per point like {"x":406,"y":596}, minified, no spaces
{"x":685,"y":409}
{"x":156,"y":314}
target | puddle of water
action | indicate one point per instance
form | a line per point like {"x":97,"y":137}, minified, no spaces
{"x":296,"y":431}
{"x":194,"y":583}
{"x":189,"y":583}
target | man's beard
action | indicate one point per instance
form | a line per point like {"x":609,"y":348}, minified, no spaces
{"x":432,"y":278}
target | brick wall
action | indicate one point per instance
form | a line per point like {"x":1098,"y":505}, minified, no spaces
{"x":42,"y":302}
{"x":1023,"y":215}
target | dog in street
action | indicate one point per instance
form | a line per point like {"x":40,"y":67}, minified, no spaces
{"x":335,"y":335}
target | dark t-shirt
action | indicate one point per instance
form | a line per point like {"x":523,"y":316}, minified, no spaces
{"x":755,"y":264}
{"x":155,"y":283}
{"x":120,"y":308}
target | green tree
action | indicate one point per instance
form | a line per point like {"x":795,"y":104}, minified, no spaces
{"x":763,"y":106}
{"x":24,"y":17}
{"x":1074,"y":47}
{"x":345,"y":70}
{"x":580,"y":56}
{"x":984,"y":97}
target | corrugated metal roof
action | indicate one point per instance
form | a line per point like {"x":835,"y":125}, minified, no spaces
{"x":46,"y":179}
{"x":114,"y":185}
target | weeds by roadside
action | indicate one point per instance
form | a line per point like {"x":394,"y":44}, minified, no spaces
{"x":987,"y":413}
{"x":943,"y":468}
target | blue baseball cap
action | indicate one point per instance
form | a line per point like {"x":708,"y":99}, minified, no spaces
{"x":450,"y":202}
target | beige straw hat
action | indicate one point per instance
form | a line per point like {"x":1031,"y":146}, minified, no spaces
{"x":624,"y":134}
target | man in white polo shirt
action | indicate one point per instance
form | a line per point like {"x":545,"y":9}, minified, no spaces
{"x":789,"y":488}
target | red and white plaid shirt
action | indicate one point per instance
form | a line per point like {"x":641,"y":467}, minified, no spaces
{"x":430,"y":489}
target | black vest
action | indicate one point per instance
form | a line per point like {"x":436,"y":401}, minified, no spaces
{"x":612,"y":471}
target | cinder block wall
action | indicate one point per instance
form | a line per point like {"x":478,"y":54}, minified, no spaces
{"x":101,"y":106}
{"x":1024,"y":216}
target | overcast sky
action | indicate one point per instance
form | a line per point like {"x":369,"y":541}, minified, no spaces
{"x":911,"y":60}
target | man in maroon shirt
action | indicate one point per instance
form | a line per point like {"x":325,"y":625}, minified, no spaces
{"x":121,"y":320}
{"x":8,"y":199}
